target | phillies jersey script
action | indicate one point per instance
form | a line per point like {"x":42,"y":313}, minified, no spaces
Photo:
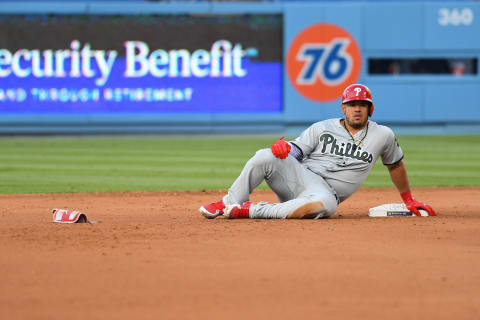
{"x":342,"y":159}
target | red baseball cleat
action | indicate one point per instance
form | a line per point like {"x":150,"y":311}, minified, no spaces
{"x":212,"y":210}
{"x":236,"y":211}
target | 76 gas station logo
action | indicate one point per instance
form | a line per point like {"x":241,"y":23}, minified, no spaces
{"x":328,"y":63}
{"x":322,"y":60}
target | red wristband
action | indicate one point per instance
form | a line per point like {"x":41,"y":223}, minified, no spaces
{"x":407,"y":196}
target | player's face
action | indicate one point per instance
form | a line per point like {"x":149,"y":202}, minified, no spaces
{"x":356,"y":113}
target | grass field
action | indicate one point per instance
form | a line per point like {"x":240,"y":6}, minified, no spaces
{"x":82,"y":164}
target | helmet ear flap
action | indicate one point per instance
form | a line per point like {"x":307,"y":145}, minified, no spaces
{"x":370,"y":109}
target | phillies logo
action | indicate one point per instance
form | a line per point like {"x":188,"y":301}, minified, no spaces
{"x":322,"y":60}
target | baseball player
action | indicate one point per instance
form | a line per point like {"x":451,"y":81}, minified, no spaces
{"x":324,"y":166}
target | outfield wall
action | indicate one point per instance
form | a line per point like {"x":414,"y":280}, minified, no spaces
{"x":253,"y":67}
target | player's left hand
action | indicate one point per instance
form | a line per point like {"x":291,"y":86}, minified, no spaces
{"x":414,"y":205}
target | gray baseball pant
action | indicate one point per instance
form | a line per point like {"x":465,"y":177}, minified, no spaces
{"x":300,"y":191}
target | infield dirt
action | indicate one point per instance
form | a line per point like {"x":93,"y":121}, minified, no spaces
{"x":155,"y":257}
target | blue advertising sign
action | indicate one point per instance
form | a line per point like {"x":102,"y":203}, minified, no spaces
{"x":220,"y":71}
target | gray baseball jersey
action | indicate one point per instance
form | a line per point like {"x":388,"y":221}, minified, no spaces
{"x":334,"y":165}
{"x":345,"y":160}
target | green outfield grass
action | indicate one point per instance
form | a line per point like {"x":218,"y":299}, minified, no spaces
{"x":59,"y":164}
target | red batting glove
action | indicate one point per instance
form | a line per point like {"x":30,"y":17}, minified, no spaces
{"x":280,"y":148}
{"x":413,"y":205}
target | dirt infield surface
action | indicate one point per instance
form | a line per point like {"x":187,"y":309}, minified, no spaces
{"x":155,"y":257}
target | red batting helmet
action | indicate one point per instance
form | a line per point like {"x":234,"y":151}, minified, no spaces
{"x":358,"y":91}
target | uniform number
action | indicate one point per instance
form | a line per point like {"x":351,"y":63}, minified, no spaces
{"x":455,"y":16}
{"x":327,"y":62}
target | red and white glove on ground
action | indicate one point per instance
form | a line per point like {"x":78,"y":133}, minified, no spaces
{"x":414,"y":205}
{"x":281,"y":148}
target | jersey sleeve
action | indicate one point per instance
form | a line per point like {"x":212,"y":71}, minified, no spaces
{"x":308,"y":140}
{"x":392,"y":153}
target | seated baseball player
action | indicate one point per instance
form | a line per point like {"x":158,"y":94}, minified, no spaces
{"x":324,"y":166}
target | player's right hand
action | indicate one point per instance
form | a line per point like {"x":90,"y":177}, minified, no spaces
{"x":280,"y":148}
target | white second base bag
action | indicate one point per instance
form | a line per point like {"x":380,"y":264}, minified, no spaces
{"x":393,"y":210}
